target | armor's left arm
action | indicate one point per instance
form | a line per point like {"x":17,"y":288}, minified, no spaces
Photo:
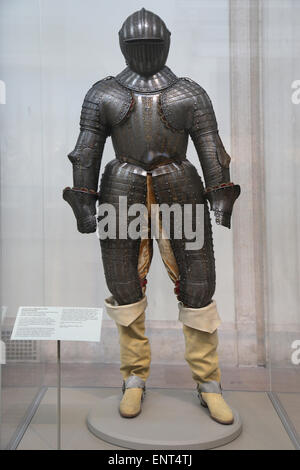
{"x":214,"y":160}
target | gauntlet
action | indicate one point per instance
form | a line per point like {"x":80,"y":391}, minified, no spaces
{"x":221,"y":199}
{"x":83,"y":203}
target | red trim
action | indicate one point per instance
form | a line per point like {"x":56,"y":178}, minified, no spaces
{"x":85,"y":190}
{"x":143,"y":282}
{"x":219,"y":186}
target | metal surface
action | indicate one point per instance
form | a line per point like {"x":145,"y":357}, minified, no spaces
{"x":221,"y":201}
{"x":120,"y":256}
{"x":83,"y":205}
{"x":150,"y":113}
{"x":144,"y":139}
{"x":144,"y":41}
{"x":180,"y":185}
{"x":141,"y":84}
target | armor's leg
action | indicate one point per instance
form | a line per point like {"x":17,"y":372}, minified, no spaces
{"x":125,"y":276}
{"x":195,"y":287}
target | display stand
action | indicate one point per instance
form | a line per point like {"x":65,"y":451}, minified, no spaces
{"x":170,"y":419}
{"x":58,"y":397}
{"x":57,"y":324}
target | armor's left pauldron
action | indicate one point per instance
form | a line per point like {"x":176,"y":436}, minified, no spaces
{"x":221,"y":199}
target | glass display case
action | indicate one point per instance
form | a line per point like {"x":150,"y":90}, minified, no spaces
{"x":245,"y":54}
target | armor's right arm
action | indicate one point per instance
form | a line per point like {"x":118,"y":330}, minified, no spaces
{"x":86,"y":160}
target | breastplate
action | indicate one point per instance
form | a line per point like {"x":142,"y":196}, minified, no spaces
{"x":145,"y":139}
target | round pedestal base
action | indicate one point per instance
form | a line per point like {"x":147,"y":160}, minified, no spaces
{"x":170,"y":419}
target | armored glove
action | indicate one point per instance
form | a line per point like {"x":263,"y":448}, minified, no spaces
{"x":221,"y":199}
{"x":83,"y":203}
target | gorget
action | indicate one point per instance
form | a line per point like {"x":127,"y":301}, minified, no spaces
{"x":132,"y":80}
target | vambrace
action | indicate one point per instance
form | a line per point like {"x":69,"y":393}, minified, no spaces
{"x":213,"y":158}
{"x":87,"y":155}
{"x":86,"y":159}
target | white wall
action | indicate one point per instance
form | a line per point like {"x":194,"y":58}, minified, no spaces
{"x":51,"y":52}
{"x":281,"y":62}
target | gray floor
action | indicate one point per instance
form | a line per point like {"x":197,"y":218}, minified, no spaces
{"x":291,"y":404}
{"x":262,"y":428}
{"x":16,"y":401}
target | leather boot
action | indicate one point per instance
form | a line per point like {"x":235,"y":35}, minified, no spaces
{"x":201,"y":342}
{"x":135,"y":354}
{"x":134,"y":390}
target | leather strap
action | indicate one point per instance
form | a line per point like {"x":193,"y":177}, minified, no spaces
{"x":134,"y":382}
{"x":210,"y":387}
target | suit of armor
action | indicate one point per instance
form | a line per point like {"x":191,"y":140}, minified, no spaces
{"x":150,"y":113}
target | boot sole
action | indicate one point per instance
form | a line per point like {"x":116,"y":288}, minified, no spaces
{"x":129,"y":416}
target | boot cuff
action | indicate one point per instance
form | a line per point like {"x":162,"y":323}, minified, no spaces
{"x":125,"y":314}
{"x":203,"y":319}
